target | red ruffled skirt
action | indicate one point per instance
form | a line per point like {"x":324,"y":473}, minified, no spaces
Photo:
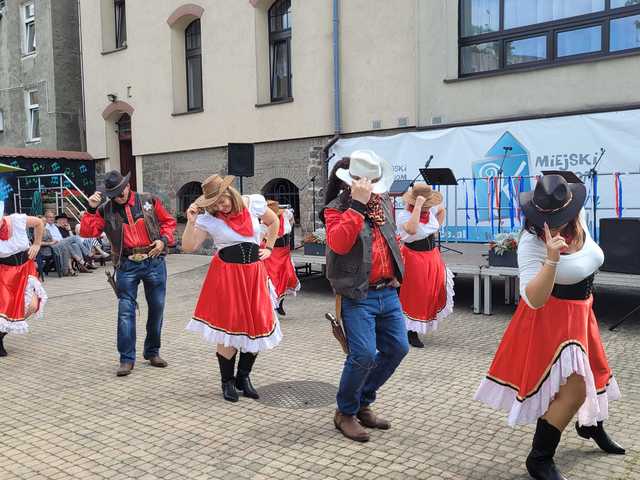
{"x":539,"y":350}
{"x":282,"y":272}
{"x":427,"y":293}
{"x":235,"y":308}
{"x":18,"y":286}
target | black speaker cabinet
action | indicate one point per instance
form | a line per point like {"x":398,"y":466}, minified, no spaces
{"x":620,"y":242}
{"x":240,"y":158}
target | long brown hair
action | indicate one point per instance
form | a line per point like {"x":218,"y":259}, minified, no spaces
{"x":237,"y":204}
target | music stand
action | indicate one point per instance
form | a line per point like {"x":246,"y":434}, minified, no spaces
{"x":440,"y":176}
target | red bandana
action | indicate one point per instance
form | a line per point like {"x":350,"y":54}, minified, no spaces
{"x":281,"y":228}
{"x":4,"y":230}
{"x":424,"y":216}
{"x":240,"y":222}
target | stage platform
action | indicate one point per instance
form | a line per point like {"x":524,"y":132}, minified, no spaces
{"x":472,"y":262}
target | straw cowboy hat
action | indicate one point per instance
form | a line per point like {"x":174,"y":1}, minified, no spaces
{"x":212,"y":188}
{"x":115,"y":183}
{"x":554,"y":201}
{"x":431,"y":197}
{"x":367,"y":164}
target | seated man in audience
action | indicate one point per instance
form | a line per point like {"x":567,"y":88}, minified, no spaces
{"x":53,"y":237}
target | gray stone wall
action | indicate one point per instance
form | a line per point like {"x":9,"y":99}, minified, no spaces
{"x":59,"y":103}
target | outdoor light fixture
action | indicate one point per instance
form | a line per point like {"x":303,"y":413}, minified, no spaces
{"x":112,"y":97}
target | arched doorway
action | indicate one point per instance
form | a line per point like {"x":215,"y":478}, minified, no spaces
{"x":187,"y":194}
{"x":285,"y":192}
{"x":127,"y":160}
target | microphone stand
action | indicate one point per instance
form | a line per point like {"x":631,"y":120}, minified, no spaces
{"x":499,"y":193}
{"x":593,"y":173}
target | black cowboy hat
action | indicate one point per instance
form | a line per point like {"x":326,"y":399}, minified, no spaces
{"x":115,"y":183}
{"x":62,"y":215}
{"x":554,"y":201}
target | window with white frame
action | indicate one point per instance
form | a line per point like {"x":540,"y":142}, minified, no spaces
{"x":33,"y":115}
{"x":120,"y":23}
{"x":3,"y":4}
{"x":28,"y":28}
{"x":1,"y":121}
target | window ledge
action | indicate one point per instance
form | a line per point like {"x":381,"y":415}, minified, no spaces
{"x":545,"y":66}
{"x":190,"y":112}
{"x":33,"y":142}
{"x":119,"y":49}
{"x":29,"y":55}
{"x":276,"y":102}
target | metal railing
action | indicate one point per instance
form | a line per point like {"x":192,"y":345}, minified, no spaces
{"x":65,"y":192}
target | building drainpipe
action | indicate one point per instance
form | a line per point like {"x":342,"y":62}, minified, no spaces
{"x":336,"y":68}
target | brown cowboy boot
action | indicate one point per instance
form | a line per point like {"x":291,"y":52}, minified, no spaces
{"x":350,"y":427}
{"x":124,"y":369}
{"x":157,"y":362}
{"x":371,"y":420}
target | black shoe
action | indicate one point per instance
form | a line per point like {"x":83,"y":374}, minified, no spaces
{"x":245,"y":364}
{"x":414,"y":339}
{"x":248,"y":390}
{"x":229,"y":391}
{"x":540,"y":460}
{"x":227,"y":368}
{"x":3,"y":352}
{"x":601,"y":438}
{"x":280,"y":309}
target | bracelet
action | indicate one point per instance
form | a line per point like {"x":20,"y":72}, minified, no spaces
{"x":552,"y":263}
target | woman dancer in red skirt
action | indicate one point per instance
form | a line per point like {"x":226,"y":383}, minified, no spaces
{"x":279,"y":265}
{"x":551,"y":364}
{"x":426,"y":294}
{"x":21,"y":293}
{"x":234,"y":309}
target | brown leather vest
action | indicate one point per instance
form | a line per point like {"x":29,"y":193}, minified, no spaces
{"x":114,"y":217}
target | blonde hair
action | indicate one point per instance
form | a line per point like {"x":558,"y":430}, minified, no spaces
{"x":237,"y":204}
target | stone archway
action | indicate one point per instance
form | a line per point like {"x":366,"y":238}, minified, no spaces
{"x":285,"y":192}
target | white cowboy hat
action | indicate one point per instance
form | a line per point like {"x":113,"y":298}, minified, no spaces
{"x":367,"y":164}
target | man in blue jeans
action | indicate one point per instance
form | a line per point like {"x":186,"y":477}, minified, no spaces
{"x":364,"y":267}
{"x":139,"y":230}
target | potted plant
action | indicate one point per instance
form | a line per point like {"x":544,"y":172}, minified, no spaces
{"x":315,"y":242}
{"x":503,"y":250}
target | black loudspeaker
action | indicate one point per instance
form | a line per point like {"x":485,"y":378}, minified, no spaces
{"x":620,"y":244}
{"x":240,"y":159}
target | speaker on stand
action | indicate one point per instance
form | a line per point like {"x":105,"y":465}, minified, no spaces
{"x":619,"y":242}
{"x":240,"y":160}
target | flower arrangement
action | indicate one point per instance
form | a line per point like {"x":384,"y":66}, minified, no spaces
{"x":318,"y":236}
{"x":504,"y":242}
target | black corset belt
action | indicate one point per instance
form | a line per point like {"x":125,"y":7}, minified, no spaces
{"x":16,"y":259}
{"x":283,"y":241}
{"x":577,"y":291}
{"x":244,"y":253}
{"x":423,"y":245}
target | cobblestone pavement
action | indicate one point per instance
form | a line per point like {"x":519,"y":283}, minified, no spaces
{"x":65,"y":415}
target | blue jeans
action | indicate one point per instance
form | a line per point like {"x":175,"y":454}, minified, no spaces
{"x":153,"y":273}
{"x":377,"y":338}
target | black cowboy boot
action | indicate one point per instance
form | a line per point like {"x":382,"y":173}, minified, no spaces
{"x":280,"y":308}
{"x":227,"y":367}
{"x":414,"y":339}
{"x":601,"y":438}
{"x":540,"y":460}
{"x":242,"y":379}
{"x":3,"y":352}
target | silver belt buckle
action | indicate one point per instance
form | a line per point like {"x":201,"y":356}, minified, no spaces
{"x":138,"y":257}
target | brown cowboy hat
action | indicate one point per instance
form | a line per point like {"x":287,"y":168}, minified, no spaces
{"x":554,"y":201}
{"x":114,"y":183}
{"x":431,"y":196}
{"x":212,"y":188}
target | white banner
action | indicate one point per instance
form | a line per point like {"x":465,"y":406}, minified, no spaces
{"x":563,"y":143}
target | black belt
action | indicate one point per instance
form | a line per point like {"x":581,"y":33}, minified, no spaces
{"x":245,"y":253}
{"x":423,"y":245}
{"x":16,"y":259}
{"x":577,"y":291}
{"x":382,"y":284}
{"x":136,"y":250}
{"x":283,"y":241}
